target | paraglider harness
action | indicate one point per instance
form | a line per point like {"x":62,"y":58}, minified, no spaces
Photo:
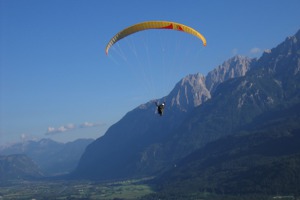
{"x":160,"y":108}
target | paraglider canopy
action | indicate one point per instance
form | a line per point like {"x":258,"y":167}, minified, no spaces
{"x":153,"y":25}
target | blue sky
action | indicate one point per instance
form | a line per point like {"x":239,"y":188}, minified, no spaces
{"x":56,"y":81}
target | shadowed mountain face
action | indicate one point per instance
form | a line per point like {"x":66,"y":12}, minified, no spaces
{"x":199,"y":110}
{"x":262,"y":157}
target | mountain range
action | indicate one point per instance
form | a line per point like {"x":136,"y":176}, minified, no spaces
{"x":51,"y":157}
{"x":134,"y":141}
{"x":235,"y":130}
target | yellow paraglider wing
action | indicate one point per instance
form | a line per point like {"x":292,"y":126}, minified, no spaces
{"x":153,"y":25}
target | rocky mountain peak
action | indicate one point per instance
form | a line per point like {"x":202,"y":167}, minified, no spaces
{"x":190,"y":92}
{"x":283,"y":59}
{"x":233,"y":67}
{"x":194,"y":89}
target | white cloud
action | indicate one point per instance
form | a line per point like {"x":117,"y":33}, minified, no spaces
{"x":89,"y":124}
{"x":255,"y":50}
{"x":61,"y":129}
{"x":86,"y":124}
{"x":69,"y":127}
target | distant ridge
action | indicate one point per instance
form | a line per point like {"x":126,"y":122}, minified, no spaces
{"x":52,"y":157}
{"x":18,"y":167}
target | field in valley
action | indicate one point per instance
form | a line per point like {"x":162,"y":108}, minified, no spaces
{"x":130,"y":189}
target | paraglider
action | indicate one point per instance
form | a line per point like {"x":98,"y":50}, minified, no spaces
{"x":153,"y":25}
{"x":167,"y":25}
{"x":160,"y":108}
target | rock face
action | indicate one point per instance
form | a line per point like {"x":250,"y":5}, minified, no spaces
{"x":133,"y":146}
{"x":190,"y":92}
{"x":234,"y":67}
